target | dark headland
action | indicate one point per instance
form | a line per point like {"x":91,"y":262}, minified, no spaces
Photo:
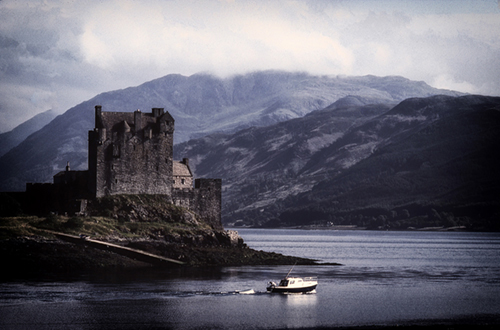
{"x":30,"y":245}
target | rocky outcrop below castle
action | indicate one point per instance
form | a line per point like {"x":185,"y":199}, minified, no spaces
{"x":40,"y":255}
{"x":140,"y":222}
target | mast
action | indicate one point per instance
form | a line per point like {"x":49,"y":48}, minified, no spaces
{"x":290,"y":270}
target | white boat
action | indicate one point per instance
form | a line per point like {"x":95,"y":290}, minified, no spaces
{"x":293,"y":284}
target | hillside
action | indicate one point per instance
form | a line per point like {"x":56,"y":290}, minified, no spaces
{"x":260,"y":166}
{"x":9,"y":140}
{"x":200,"y":104}
{"x":442,"y":171}
{"x":424,"y":162}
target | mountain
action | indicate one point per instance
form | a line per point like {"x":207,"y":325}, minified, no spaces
{"x":435,"y":162}
{"x":262,"y":165}
{"x":201,"y":104}
{"x":9,"y":140}
{"x":424,"y":162}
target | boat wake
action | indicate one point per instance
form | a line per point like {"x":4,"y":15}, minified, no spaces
{"x":249,"y":291}
{"x":216,"y":293}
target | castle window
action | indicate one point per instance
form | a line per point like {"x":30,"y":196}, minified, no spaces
{"x":183,"y":181}
{"x":116,"y":150}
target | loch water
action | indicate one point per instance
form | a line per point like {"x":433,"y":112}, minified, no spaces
{"x":386,"y":279}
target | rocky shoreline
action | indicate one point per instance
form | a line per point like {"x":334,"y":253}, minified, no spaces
{"x":37,"y":256}
{"x":51,"y":244}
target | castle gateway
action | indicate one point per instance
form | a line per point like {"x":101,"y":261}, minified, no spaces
{"x":131,"y":153}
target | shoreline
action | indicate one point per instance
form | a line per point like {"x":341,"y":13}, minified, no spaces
{"x":40,"y":256}
{"x":355,"y":227}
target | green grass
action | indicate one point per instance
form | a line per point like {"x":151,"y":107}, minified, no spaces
{"x":113,"y":217}
{"x":97,"y":227}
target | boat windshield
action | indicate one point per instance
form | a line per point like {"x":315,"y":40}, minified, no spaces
{"x":284,"y":283}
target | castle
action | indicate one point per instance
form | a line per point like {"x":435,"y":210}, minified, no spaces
{"x":130,"y":153}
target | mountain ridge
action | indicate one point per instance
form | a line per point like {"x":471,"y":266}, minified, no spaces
{"x":12,"y":138}
{"x":201,"y":104}
{"x":438,"y":146}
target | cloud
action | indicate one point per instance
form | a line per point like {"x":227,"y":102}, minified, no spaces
{"x":252,"y":38}
{"x":445,"y":81}
{"x":56,"y":54}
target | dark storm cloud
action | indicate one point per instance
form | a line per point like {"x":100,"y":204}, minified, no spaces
{"x":56,"y":54}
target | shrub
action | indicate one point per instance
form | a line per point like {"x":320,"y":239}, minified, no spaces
{"x":74,"y":223}
{"x":51,"y":222}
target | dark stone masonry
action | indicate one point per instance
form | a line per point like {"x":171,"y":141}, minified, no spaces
{"x":129,"y":153}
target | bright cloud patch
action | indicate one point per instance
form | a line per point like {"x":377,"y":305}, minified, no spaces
{"x":64,"y":52}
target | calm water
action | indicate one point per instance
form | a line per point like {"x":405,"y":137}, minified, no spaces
{"x":387,"y":278}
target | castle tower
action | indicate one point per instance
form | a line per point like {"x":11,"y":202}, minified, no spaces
{"x":131,"y":153}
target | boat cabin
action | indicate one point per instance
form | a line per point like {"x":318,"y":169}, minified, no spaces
{"x":291,"y":281}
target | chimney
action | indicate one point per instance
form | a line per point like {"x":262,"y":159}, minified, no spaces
{"x":98,"y":111}
{"x":185,"y":161}
{"x":67,"y":167}
{"x":138,"y":120}
{"x":158,"y":112}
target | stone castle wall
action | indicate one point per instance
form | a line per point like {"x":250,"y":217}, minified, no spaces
{"x":132,"y":153}
{"x":204,"y":199}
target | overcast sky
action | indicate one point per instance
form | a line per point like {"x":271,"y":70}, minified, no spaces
{"x":56,"y":54}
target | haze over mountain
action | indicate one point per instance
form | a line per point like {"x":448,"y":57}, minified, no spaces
{"x":425,"y":162}
{"x":201,"y":104}
{"x":9,"y":140}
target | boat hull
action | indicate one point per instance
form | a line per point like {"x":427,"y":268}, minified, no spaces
{"x":280,"y":289}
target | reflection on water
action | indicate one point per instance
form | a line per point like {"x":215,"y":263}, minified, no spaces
{"x":386,"y":278}
{"x":300,"y":300}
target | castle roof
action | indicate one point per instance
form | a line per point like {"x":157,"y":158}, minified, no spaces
{"x":70,"y":176}
{"x":181,"y":169}
{"x":110,"y":119}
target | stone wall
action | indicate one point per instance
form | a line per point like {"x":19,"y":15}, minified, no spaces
{"x":132,"y":153}
{"x":63,"y":198}
{"x":204,"y":200}
{"x":207,"y":200}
